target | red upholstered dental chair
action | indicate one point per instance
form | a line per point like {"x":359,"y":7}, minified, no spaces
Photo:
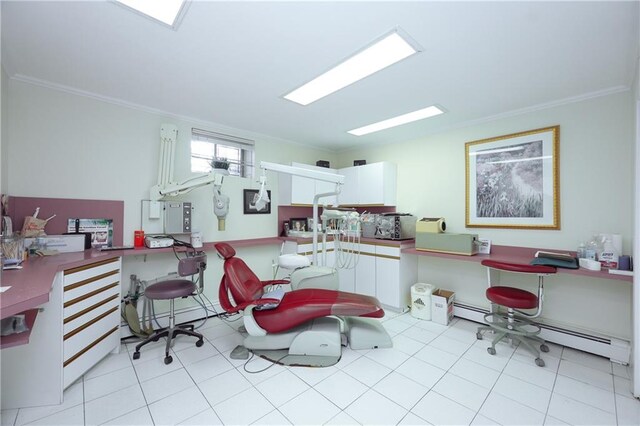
{"x":303,"y":321}
{"x":515,"y":324}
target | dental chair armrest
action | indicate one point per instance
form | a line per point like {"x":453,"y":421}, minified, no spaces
{"x":255,"y":303}
{"x":275,"y":282}
{"x":266,"y":303}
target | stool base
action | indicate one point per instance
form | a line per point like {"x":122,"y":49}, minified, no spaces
{"x":516,"y":329}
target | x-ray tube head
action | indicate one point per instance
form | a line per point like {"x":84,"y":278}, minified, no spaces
{"x":263,"y":196}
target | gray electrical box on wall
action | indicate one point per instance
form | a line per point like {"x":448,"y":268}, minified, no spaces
{"x":177,"y":217}
{"x":173,"y":217}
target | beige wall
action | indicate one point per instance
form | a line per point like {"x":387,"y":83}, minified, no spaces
{"x":69,"y":146}
{"x":596,"y":171}
{"x":597,"y":195}
{"x":63,"y":145}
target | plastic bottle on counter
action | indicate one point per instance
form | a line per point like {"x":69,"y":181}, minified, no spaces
{"x":591,"y":250}
{"x":608,"y":256}
{"x":581,"y":252}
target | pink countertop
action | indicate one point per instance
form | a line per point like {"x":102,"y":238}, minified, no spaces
{"x":518,"y":255}
{"x":30,"y":286}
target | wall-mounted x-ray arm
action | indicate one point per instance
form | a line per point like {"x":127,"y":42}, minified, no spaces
{"x":166,"y":186}
{"x":336,"y":179}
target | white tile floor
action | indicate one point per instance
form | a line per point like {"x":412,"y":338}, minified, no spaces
{"x":433,"y":375}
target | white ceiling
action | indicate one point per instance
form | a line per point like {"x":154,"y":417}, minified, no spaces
{"x":231,"y":62}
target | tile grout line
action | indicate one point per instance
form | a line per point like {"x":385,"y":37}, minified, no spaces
{"x":140,"y":386}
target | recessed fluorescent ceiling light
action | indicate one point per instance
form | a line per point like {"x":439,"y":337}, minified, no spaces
{"x":165,"y":11}
{"x":390,"y":49}
{"x":397,"y":121}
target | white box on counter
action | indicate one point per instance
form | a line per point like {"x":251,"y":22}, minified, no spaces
{"x":60,"y":243}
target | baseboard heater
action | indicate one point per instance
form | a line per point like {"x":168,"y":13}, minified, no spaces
{"x":616,"y":350}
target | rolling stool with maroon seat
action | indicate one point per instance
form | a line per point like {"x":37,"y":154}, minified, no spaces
{"x":171,"y":290}
{"x":515,"y":325}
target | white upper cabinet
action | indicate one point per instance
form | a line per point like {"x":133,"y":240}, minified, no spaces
{"x":370,"y":184}
{"x":301,"y":190}
{"x":349,"y":190}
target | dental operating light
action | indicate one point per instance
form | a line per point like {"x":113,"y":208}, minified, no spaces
{"x":387,"y":51}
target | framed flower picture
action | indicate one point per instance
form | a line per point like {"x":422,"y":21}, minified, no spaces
{"x":512,"y":181}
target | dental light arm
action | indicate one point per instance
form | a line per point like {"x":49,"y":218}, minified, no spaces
{"x":172,"y":189}
{"x":336,"y":179}
{"x":166,"y":187}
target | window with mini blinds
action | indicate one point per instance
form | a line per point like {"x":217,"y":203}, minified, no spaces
{"x":208,"y":147}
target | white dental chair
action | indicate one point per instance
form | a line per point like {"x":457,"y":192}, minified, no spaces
{"x":304,"y":275}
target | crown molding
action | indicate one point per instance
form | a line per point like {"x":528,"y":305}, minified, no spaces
{"x":150,"y":110}
{"x":547,"y":105}
{"x":514,"y":113}
{"x":259,"y":136}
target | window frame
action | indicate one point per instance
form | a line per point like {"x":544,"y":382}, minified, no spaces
{"x":245,"y":162}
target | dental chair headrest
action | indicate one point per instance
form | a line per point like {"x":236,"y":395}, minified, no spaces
{"x":225,"y":250}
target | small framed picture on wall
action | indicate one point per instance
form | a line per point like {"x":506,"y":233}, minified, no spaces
{"x":250,"y":197}
{"x":298,"y":224}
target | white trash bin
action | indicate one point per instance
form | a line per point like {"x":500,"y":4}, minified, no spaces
{"x":421,"y":300}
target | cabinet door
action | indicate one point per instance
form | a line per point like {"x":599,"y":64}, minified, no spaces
{"x":302,"y":190}
{"x":371,"y":184}
{"x":366,"y":274}
{"x":349,"y":193}
{"x":377,"y":183}
{"x":323,"y":187}
{"x":347,"y":280}
{"x":387,"y":281}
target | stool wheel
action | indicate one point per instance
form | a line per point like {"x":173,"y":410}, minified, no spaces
{"x":544,"y":348}
{"x":539,"y":362}
{"x":168,"y":359}
{"x":479,"y":335}
{"x":136,"y":355}
{"x":491,"y":351}
{"x":201,"y":342}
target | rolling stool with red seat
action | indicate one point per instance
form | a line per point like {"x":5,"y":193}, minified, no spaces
{"x":515,"y":325}
{"x":171,"y":290}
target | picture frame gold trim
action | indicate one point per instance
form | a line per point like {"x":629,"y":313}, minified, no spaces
{"x":490,"y":199}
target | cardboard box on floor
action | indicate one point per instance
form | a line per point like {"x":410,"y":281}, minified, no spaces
{"x":442,"y":306}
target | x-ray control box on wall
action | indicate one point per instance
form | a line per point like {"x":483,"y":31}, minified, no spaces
{"x":167,"y":217}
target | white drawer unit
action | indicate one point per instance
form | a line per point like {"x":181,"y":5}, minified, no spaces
{"x":91,"y":315}
{"x":74,"y":330}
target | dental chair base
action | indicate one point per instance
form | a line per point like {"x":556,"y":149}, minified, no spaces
{"x":366,"y":333}
{"x":320,"y":337}
{"x":323,"y":277}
